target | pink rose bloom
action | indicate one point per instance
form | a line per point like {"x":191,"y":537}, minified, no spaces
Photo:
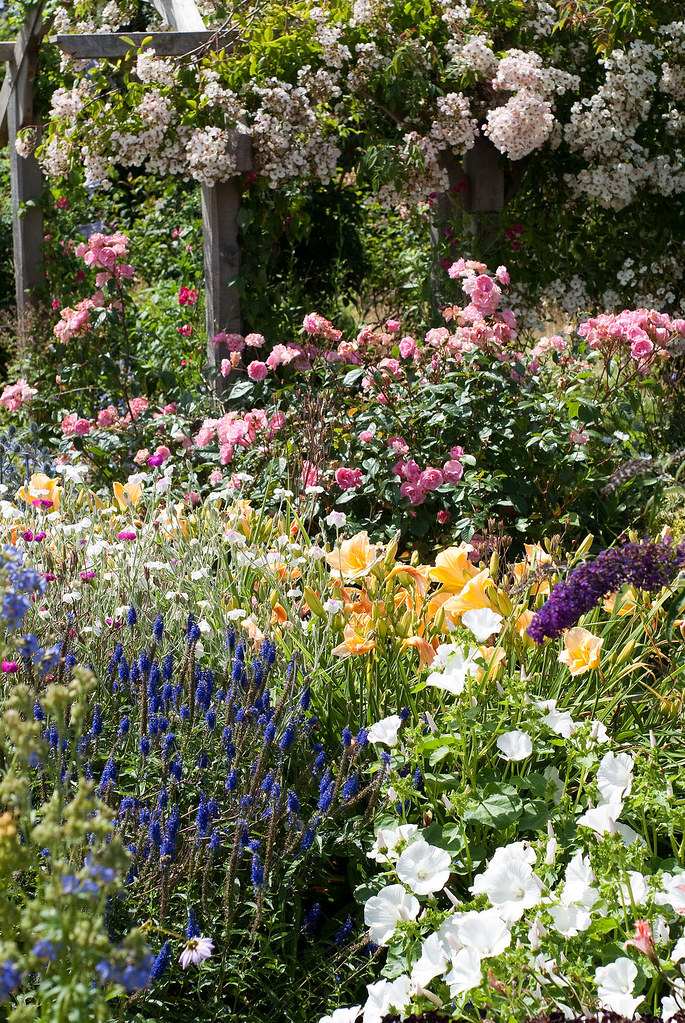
{"x":254,"y":340}
{"x":125,"y":270}
{"x":399,"y":467}
{"x":508,"y":318}
{"x":138,"y":405}
{"x":192,"y":497}
{"x":225,"y":453}
{"x":314,"y":324}
{"x":257,"y":370}
{"x":457,"y":451}
{"x":558,"y":343}
{"x":233,"y":342}
{"x":81,"y":427}
{"x":348,"y":479}
{"x":141,"y":456}
{"x":578,"y":438}
{"x":399,"y":445}
{"x":69,"y":423}
{"x":275,"y":423}
{"x":407,"y":347}
{"x":107,"y":417}
{"x":430,"y":479}
{"x":310,"y":475}
{"x":382,"y":399}
{"x":502,"y":275}
{"x":164,"y":451}
{"x":392,"y":326}
{"x":365,"y":436}
{"x":641,"y":348}
{"x":215,"y":477}
{"x":412,"y":471}
{"x":206,"y":434}
{"x":453,"y":470}
{"x":413,"y":492}
{"x":678,"y":326}
{"x":444,"y":517}
{"x":225,"y":367}
{"x":186,"y":330}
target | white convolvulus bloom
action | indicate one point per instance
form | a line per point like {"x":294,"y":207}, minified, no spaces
{"x":672,"y":892}
{"x":678,"y":953}
{"x":674,"y":1002}
{"x":342,"y":1015}
{"x":561,"y":722}
{"x":510,"y":885}
{"x":336,"y":518}
{"x":385,"y":995}
{"x":551,"y":851}
{"x":569,"y":920}
{"x":635,"y":890}
{"x":384,"y":911}
{"x":451,"y":667}
{"x":196,"y":950}
{"x":536,"y":934}
{"x":432,"y":962}
{"x":602,"y":819}
{"x":515,"y":745}
{"x":466,"y":972}
{"x":385,"y":731}
{"x":615,"y":776}
{"x":578,"y":883}
{"x":485,"y":932}
{"x":598,"y":732}
{"x":424,"y":868}
{"x":482,"y":622}
{"x":615,"y":984}
{"x":387,"y":839}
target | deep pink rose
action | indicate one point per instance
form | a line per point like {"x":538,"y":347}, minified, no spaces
{"x":453,"y":471}
{"x":81,"y":427}
{"x":257,"y":370}
{"x":407,"y":347}
{"x":412,"y":471}
{"x":431,"y":479}
{"x":414,"y":492}
{"x":348,"y":479}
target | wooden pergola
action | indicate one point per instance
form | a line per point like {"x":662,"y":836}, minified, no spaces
{"x":220,"y":202}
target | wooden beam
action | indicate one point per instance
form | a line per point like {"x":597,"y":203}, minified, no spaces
{"x":33,"y":29}
{"x":165,"y":44}
{"x":26,"y":179}
{"x":181,"y":15}
{"x":220,"y":205}
{"x":7,"y":50}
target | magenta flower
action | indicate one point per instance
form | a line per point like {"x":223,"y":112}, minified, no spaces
{"x":155,"y":460}
{"x":196,"y":950}
{"x":9,"y":667}
{"x":126,"y":534}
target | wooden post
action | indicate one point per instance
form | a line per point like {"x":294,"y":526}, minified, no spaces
{"x":220,"y":205}
{"x":26,"y":180}
{"x":484,"y":199}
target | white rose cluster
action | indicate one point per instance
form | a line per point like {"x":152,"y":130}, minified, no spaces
{"x":209,"y":156}
{"x":454,"y":126}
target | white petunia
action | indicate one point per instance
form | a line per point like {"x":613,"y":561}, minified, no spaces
{"x":615,"y":984}
{"x":383,"y":912}
{"x":515,"y":745}
{"x":466,"y":972}
{"x":432,"y":962}
{"x":569,"y":920}
{"x":482,"y":622}
{"x":387,"y":839}
{"x":385,"y":731}
{"x":485,"y":932}
{"x":424,"y":868}
{"x":615,"y":776}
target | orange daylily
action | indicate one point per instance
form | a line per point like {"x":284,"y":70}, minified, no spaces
{"x":279,"y":615}
{"x":680,"y":624}
{"x":493,"y":657}
{"x":582,"y":651}
{"x":426,"y":651}
{"x":453,"y":568}
{"x":472,"y":596}
{"x":627,"y":602}
{"x":359,"y":636}
{"x":354,"y":558}
{"x":127,"y":493}
{"x":41,"y":488}
{"x":522,"y":623}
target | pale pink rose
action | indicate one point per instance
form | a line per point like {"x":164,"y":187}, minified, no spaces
{"x":558,"y":343}
{"x":163,"y":451}
{"x":392,"y":326}
{"x":399,"y":445}
{"x":138,"y":405}
{"x":413,"y":492}
{"x":225,"y":453}
{"x":81,"y":427}
{"x":348,"y":479}
{"x":365,"y":436}
{"x":192,"y":498}
{"x":215,"y":477}
{"x":431,"y":479}
{"x":641,"y":348}
{"x":453,"y":470}
{"x":254,"y":340}
{"x":233,"y":342}
{"x":107,"y":417}
{"x":457,"y":451}
{"x":206,"y":433}
{"x":412,"y":471}
{"x":502,"y":275}
{"x":141,"y":456}
{"x":679,"y":327}
{"x":392,"y":366}
{"x":257,"y":370}
{"x":578,"y":438}
{"x":69,"y":423}
{"x":508,"y":318}
{"x":276,"y":422}
{"x":407,"y":347}
{"x":225,"y":367}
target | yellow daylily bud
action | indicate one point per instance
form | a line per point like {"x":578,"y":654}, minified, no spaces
{"x":391,"y":552}
{"x":494,"y":564}
{"x":273,"y":598}
{"x":626,"y":652}
{"x":585,"y":545}
{"x":313,"y":603}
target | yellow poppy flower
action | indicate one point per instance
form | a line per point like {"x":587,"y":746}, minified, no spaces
{"x":582,"y":651}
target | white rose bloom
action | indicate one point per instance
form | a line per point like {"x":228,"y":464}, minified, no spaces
{"x":385,"y":731}
{"x":515,"y":745}
{"x":615,"y":984}
{"x":424,"y":868}
{"x":615,"y":776}
{"x":383,"y":912}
